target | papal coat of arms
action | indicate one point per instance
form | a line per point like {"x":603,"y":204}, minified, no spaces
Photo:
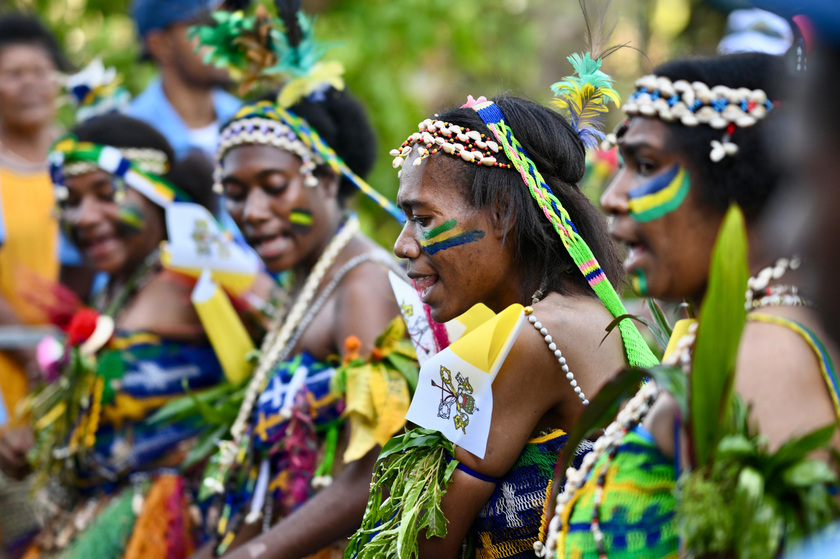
{"x":461,"y":397}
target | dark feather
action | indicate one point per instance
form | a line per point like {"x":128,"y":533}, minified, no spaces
{"x":287,"y":11}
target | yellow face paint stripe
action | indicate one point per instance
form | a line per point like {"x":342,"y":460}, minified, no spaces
{"x":659,"y":196}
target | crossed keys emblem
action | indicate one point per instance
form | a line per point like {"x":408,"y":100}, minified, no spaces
{"x":204,"y":240}
{"x":461,"y":397}
{"x":417,"y":327}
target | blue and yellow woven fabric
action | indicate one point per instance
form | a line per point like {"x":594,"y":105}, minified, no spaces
{"x":638,"y":507}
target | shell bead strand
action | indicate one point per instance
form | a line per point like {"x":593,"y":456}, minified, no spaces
{"x":435,"y":135}
{"x":570,"y":376}
{"x":761,"y":294}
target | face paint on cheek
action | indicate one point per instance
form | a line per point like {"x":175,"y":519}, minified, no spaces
{"x":301,"y":220}
{"x":659,"y":196}
{"x":448,"y":235}
{"x":132,"y":219}
{"x":639,"y":282}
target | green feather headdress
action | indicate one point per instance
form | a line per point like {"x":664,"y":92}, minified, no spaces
{"x":265,"y":50}
{"x":584,"y":97}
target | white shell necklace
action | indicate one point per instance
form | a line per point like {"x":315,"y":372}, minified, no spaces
{"x":570,"y":376}
{"x":761,"y":294}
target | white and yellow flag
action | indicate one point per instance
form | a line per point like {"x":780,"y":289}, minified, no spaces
{"x":196,"y":243}
{"x":454,"y":394}
{"x":414,"y":315}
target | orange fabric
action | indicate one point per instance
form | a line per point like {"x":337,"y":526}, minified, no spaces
{"x":30,"y":246}
{"x":163,"y":528}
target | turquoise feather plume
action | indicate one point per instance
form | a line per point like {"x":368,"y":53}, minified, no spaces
{"x":584,"y":98}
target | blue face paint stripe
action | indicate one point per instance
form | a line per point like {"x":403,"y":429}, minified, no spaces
{"x":655,"y":184}
{"x":458,"y":240}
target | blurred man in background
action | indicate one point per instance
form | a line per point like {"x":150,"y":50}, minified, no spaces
{"x":187,"y":102}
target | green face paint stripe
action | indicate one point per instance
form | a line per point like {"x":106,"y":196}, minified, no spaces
{"x":667,"y":207}
{"x":640,"y":282}
{"x":442,"y":228}
{"x":131,"y":217}
{"x":300,"y":217}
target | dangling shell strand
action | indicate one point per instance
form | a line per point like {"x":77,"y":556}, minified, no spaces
{"x":529,"y":312}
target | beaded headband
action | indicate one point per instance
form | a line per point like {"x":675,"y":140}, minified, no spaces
{"x":267,"y":124}
{"x":696,"y":103}
{"x":436,"y":135}
{"x":70,"y":157}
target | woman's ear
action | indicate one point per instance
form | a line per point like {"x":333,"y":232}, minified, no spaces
{"x":328,"y":182}
{"x":501,"y":220}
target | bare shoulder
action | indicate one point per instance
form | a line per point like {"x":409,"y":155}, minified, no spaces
{"x":578,"y":326}
{"x":364,"y":300}
{"x":163,"y":306}
{"x":779,"y":374}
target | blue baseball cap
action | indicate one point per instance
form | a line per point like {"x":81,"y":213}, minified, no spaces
{"x":150,"y":15}
{"x":823,"y":15}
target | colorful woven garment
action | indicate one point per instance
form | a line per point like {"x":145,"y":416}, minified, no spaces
{"x":514,"y":517}
{"x":293,"y":435}
{"x":638,"y":507}
{"x":295,"y":417}
{"x":95,"y":498}
{"x":114,"y":526}
{"x":149,"y":371}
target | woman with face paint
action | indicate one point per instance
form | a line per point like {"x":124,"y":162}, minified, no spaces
{"x":290,"y":206}
{"x":287,"y":168}
{"x":111,"y":484}
{"x":484,"y":187}
{"x":698,"y":139}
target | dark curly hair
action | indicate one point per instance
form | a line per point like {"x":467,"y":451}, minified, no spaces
{"x":750,"y":177}
{"x":23,"y":29}
{"x":558,"y":152}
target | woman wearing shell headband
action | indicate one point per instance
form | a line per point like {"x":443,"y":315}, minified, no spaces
{"x":287,"y":167}
{"x":495,"y":218}
{"x":697,"y":140}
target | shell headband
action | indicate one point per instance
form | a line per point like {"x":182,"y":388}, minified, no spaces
{"x":265,"y":123}
{"x":436,"y":135}
{"x":696,"y":103}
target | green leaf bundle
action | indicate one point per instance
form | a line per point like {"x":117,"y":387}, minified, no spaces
{"x":409,"y":482}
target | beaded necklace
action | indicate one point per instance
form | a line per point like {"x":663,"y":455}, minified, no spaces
{"x":761,"y":294}
{"x":570,"y":376}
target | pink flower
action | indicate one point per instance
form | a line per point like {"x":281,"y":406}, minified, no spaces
{"x":470,"y":101}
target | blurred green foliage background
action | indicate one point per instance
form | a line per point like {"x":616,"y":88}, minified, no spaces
{"x":406,"y":59}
